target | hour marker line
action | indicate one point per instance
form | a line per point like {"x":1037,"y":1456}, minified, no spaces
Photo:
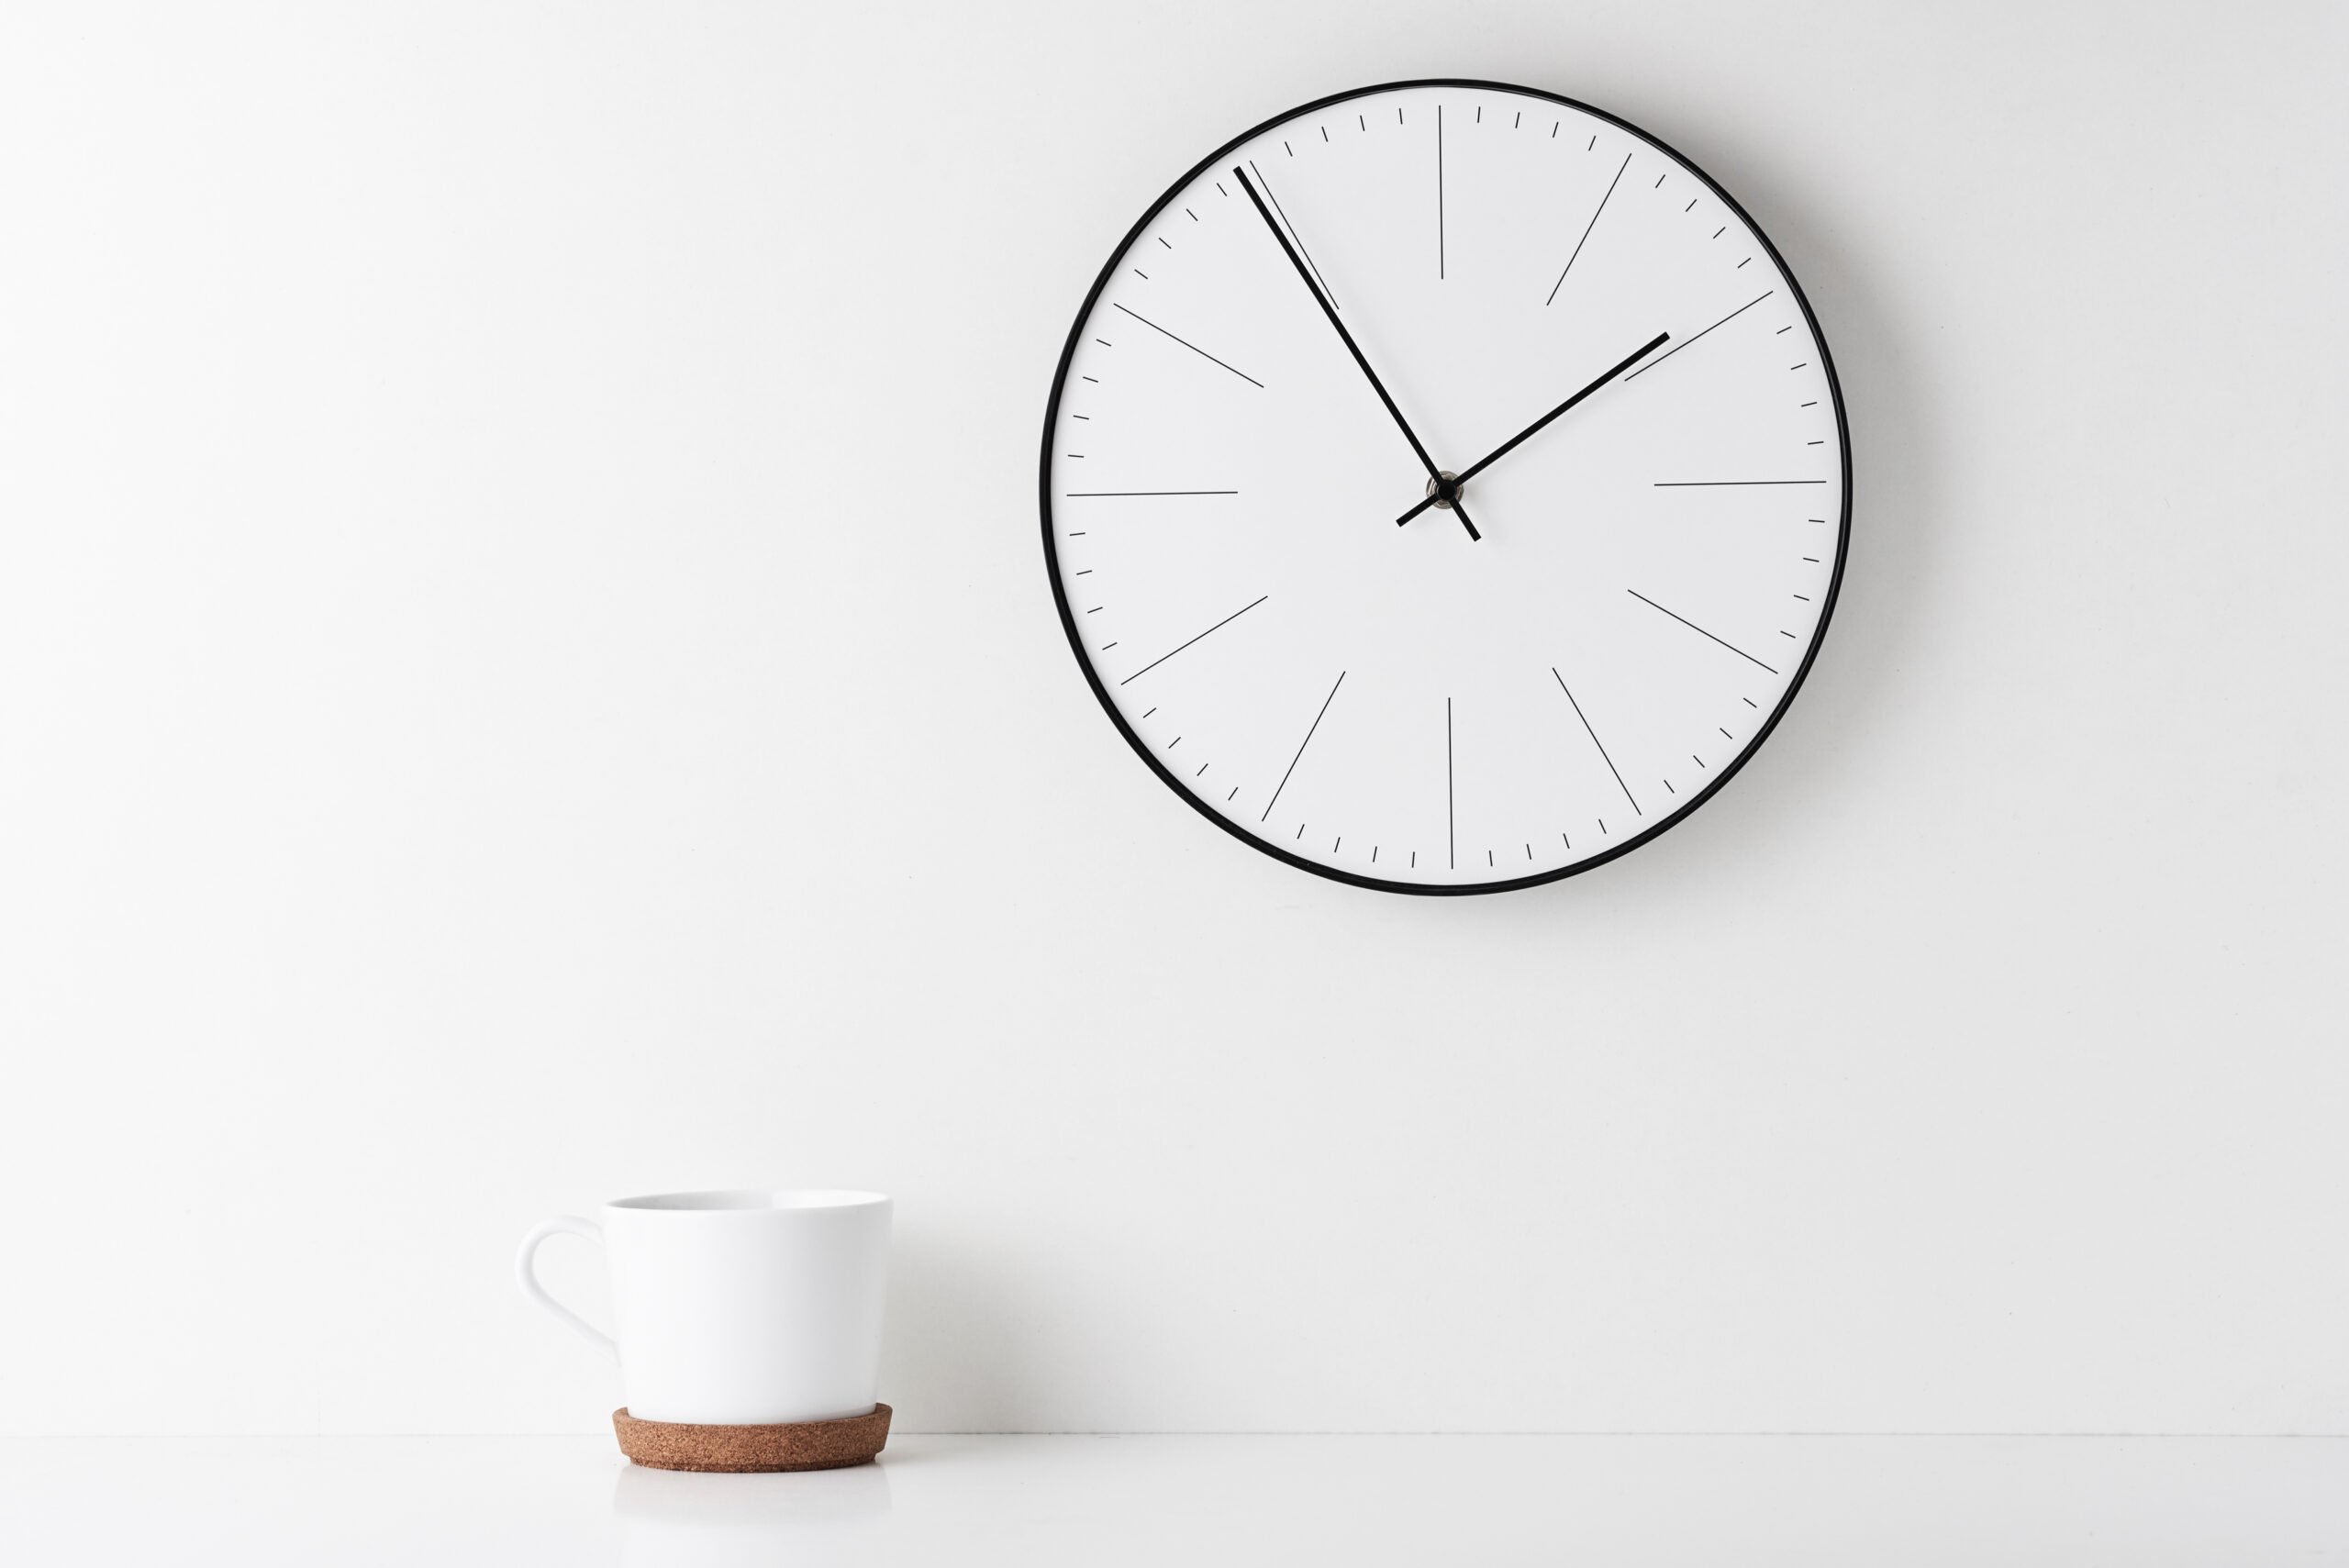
{"x":1073,"y":494}
{"x":1219,"y":626}
{"x":1193,"y":347}
{"x":1723,"y":322}
{"x":1699,"y":630}
{"x":1302,"y":745}
{"x":1439,"y":193}
{"x":1591,"y":225}
{"x":1328,"y":311}
{"x":1586,"y":730}
{"x":1708,"y":483}
{"x":1293,"y":234}
{"x":1450,"y":834}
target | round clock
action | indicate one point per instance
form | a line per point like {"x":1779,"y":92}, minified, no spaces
{"x":1445,"y":487}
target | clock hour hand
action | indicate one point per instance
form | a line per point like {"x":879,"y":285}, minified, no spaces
{"x":1444,"y":487}
{"x":1508,"y":446}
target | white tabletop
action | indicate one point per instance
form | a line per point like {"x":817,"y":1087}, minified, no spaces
{"x":1038,"y":1501}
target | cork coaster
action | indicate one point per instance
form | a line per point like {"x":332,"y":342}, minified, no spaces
{"x":787,"y":1445}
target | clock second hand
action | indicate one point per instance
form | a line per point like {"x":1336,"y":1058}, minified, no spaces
{"x":1442,"y":487}
{"x":1486,"y":461}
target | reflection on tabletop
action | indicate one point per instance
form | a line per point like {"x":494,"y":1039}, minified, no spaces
{"x":682,"y":1519}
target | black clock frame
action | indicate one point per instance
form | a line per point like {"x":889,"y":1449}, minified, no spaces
{"x":1093,"y":677}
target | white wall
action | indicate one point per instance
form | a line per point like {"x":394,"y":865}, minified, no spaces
{"x":527,"y":676}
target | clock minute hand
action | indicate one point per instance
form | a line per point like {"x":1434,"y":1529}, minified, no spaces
{"x":1506,"y":447}
{"x":1443,"y":485}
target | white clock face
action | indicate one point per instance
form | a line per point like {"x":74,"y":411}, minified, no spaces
{"x":1494,"y":692}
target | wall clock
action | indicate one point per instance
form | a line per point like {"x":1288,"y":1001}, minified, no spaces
{"x":1445,"y":487}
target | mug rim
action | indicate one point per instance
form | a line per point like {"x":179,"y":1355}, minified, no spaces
{"x":751,"y":1200}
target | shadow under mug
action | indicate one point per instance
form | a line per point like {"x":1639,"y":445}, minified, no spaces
{"x":737,"y":1308}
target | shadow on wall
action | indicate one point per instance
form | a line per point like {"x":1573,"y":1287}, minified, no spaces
{"x":670,"y":1518}
{"x":964,"y":1325}
{"x":1899,"y":499}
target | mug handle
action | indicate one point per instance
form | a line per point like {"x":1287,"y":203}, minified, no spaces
{"x":527,"y":1272}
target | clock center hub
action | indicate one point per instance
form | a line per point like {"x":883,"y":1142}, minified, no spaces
{"x":1444,"y":488}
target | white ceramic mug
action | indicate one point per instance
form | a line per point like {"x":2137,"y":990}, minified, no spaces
{"x":738,"y":1309}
